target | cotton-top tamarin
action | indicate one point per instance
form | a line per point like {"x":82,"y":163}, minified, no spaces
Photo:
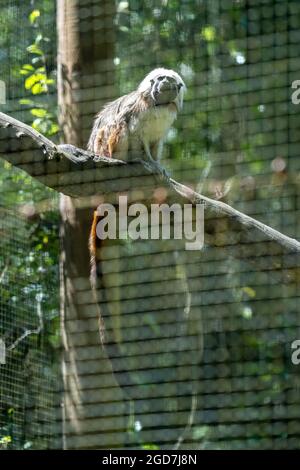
{"x":135,"y":126}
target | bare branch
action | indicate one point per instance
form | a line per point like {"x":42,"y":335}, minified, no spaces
{"x":35,"y":331}
{"x":189,"y":423}
{"x":49,"y":149}
{"x":23,"y":129}
{"x":73,"y":181}
{"x":222,"y":208}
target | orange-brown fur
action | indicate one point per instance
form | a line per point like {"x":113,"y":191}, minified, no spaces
{"x":93,"y":243}
{"x":113,"y":140}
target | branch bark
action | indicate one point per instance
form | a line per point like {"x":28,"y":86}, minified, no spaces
{"x":62,"y":179}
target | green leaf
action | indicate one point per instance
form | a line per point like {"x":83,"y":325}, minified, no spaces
{"x":41,"y":125}
{"x":26,"y":69}
{"x":5,"y":440}
{"x":38,"y":112}
{"x":53,"y":129}
{"x":34,"y":15}
{"x":247,"y":313}
{"x":41,"y":70}
{"x":34,"y":49}
{"x":26,"y":101}
{"x":208,"y":33}
{"x":38,"y":38}
{"x":34,"y":78}
{"x":35,"y":60}
{"x":150,"y":447}
{"x":27,"y":445}
{"x":39,"y":88}
{"x":249,"y":291}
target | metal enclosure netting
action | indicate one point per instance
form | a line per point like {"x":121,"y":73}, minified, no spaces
{"x":199,"y":342}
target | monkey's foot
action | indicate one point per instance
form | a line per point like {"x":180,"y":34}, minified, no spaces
{"x":155,"y":167}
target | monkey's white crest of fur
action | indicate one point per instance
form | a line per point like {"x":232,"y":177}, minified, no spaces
{"x":137,"y":123}
{"x":145,"y":84}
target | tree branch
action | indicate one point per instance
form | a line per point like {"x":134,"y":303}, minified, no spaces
{"x":49,"y":149}
{"x":222,"y":208}
{"x":54,"y":173}
{"x":27,"y":332}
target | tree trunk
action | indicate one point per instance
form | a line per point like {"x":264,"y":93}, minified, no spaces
{"x":86,"y":371}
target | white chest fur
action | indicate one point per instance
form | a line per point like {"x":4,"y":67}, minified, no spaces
{"x":154,"y":124}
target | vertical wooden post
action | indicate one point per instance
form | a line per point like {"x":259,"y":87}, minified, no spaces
{"x":85,"y":58}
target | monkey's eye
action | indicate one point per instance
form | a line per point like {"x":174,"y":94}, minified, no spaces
{"x":160,"y":78}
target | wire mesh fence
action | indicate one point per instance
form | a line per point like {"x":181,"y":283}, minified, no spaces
{"x":197,"y":344}
{"x":28,"y":375}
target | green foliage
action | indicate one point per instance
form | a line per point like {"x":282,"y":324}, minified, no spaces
{"x":149,"y":447}
{"x":34,"y":15}
{"x":42,"y":260}
{"x":30,"y":72}
{"x":38,"y":82}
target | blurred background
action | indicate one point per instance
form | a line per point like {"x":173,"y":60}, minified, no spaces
{"x":198,"y":352}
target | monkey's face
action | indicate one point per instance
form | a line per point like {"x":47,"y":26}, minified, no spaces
{"x":164,"y":87}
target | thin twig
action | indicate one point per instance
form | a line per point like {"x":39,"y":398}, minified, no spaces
{"x":27,"y":332}
{"x":189,"y":423}
{"x":3,"y":273}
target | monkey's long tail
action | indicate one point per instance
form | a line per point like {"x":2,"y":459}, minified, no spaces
{"x":95,"y":272}
{"x":93,"y":245}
